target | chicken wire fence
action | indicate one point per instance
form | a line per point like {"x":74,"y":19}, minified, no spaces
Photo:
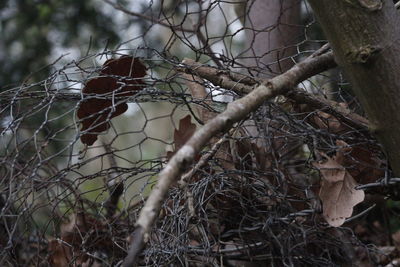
{"x":81,"y":149}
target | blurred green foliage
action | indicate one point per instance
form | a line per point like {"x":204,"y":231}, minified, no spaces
{"x":33,"y":32}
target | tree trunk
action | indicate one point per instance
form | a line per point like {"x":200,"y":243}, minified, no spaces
{"x":365,"y":37}
{"x":272,"y":33}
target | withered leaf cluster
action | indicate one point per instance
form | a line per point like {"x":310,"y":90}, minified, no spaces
{"x":104,"y":96}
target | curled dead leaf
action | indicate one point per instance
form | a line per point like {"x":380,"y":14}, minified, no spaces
{"x":95,"y":110}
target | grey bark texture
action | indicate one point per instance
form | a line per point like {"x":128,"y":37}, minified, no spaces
{"x":365,"y":37}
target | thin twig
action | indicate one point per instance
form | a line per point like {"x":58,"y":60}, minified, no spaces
{"x":113,"y":183}
{"x":208,"y":48}
{"x":203,"y":160}
{"x":344,"y":114}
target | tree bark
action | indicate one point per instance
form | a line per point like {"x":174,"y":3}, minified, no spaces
{"x":365,"y":37}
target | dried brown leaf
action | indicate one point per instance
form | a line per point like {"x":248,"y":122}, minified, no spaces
{"x":198,"y":91}
{"x":337,"y":193}
{"x":95,"y":113}
{"x":329,"y":122}
{"x":182,"y":134}
{"x":361,"y":162}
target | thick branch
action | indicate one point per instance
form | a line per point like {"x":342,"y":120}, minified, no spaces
{"x":216,"y":76}
{"x":235,"y":111}
{"x":243,"y":84}
{"x":231,"y":80}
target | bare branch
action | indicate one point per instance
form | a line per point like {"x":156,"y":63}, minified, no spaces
{"x":240,"y":84}
{"x":216,"y":76}
{"x":235,"y":111}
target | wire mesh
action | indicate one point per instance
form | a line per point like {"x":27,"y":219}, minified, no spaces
{"x":252,"y":195}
